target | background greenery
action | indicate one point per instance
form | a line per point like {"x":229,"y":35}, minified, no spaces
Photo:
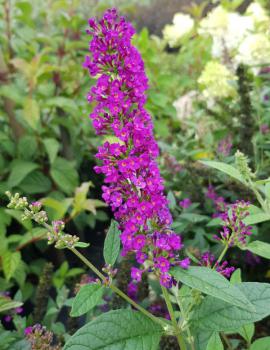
{"x":47,"y":144}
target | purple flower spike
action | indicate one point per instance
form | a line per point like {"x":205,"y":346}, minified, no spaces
{"x":133,"y":185}
{"x":185,"y":203}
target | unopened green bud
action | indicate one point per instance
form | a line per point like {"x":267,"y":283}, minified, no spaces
{"x":40,"y":217}
{"x":241,"y":163}
{"x":66,"y":241}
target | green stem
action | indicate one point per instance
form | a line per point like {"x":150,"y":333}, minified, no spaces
{"x":259,"y":197}
{"x":117,"y":290}
{"x":178,"y":334}
{"x":228,"y":343}
{"x":184,"y":316}
{"x":224,"y":251}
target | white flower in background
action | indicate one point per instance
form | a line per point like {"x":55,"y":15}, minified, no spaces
{"x":184,"y":105}
{"x":227,"y":29}
{"x":254,"y":50}
{"x":258,"y":14}
{"x":217,"y":81}
{"x":182,"y":25}
{"x":215,"y":23}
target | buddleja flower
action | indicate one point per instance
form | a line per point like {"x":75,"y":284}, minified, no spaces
{"x":235,"y":231}
{"x":207,"y":259}
{"x":40,"y":338}
{"x":134,"y":187}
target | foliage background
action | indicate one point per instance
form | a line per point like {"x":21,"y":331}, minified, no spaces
{"x":47,"y":143}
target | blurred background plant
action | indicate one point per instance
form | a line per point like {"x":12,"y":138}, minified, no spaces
{"x":208,"y":67}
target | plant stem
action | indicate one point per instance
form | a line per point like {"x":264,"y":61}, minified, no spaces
{"x":224,"y":251}
{"x":184,"y":316}
{"x":228,"y":343}
{"x":178,"y":334}
{"x":117,"y":290}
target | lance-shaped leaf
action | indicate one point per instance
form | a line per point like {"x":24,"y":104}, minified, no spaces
{"x":212,"y":283}
{"x":8,"y":304}
{"x":225,"y":168}
{"x":117,"y":330}
{"x":259,"y":248}
{"x":112,"y":244}
{"x":88,"y":297}
{"x":216,"y":315}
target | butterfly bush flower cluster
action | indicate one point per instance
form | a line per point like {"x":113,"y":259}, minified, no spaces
{"x":207,"y":259}
{"x":234,"y":231}
{"x":219,"y":202}
{"x":134,"y":187}
{"x":40,"y":338}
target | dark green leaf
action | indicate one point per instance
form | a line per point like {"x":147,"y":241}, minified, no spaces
{"x":214,"y":314}
{"x":225,"y":168}
{"x":212,"y":283}
{"x":65,"y":175}
{"x":88,"y":297}
{"x":35,"y":182}
{"x":10,"y":263}
{"x":8,"y":304}
{"x":19,"y":170}
{"x":112,"y":244}
{"x":117,"y":330}
{"x":259,"y":248}
{"x":52,"y":148}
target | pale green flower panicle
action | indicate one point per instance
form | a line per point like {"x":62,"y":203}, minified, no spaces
{"x":217,"y":81}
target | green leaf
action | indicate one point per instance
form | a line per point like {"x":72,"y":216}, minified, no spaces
{"x":171,"y":199}
{"x":81,"y":245}
{"x":112,"y":244}
{"x":215,"y":343}
{"x":259,"y":248}
{"x":225,"y":168}
{"x":214,"y":314}
{"x":236,"y":277}
{"x":67,"y":104}
{"x":247,"y":332}
{"x":212,"y":283}
{"x":117,"y":330}
{"x":201,"y":338}
{"x":52,"y":148}
{"x":193,"y":217}
{"x":19,"y":170}
{"x":261,"y":344}
{"x":35,"y":182}
{"x":27,"y":147}
{"x":10,"y":263}
{"x":60,"y":207}
{"x":31,"y":112}
{"x":65,"y":175}
{"x":267,"y":190}
{"x":88,"y":297}
{"x":256,"y":218}
{"x":8,"y":304}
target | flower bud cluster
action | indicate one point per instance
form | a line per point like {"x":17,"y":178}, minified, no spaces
{"x":241,"y":163}
{"x":16,"y":202}
{"x":234,"y":231}
{"x":40,"y":338}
